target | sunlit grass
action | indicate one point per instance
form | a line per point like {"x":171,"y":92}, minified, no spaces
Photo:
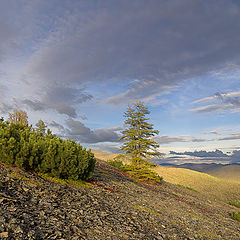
{"x":216,"y":188}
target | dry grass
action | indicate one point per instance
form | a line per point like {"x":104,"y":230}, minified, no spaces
{"x":103,"y":155}
{"x":231,"y":172}
{"x":216,"y":188}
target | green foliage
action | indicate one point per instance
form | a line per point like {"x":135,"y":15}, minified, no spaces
{"x":41,"y":127}
{"x":236,"y":216}
{"x":31,"y":149}
{"x":139,"y":172}
{"x":142,"y":173}
{"x":117,"y":164}
{"x":78,"y":183}
{"x":235,"y":204}
{"x":138,"y":143}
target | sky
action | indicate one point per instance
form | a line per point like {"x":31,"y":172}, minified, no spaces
{"x":78,"y":64}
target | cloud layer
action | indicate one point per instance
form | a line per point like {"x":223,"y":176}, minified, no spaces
{"x":211,"y":156}
{"x":153,"y":50}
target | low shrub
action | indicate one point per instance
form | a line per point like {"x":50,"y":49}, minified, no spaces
{"x":138,"y":172}
{"x":25,"y":147}
{"x":235,"y":204}
{"x":142,"y":173}
{"x":117,"y":164}
{"x":236,"y":216}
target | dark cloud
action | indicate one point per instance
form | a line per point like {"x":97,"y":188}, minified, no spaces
{"x":78,"y":131}
{"x":34,"y":104}
{"x":235,"y":101}
{"x":60,"y":98}
{"x":235,"y":158}
{"x":170,"y":139}
{"x":57,"y":126}
{"x":202,"y":153}
{"x":211,"y":156}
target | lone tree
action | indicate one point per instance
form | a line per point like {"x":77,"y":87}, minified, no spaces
{"x":138,"y":135}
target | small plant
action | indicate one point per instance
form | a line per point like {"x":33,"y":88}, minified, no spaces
{"x":117,"y":164}
{"x":235,"y":204}
{"x":186,"y":187}
{"x":236,"y":216}
{"x":142,"y":173}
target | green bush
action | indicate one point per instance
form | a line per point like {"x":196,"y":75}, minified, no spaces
{"x":235,"y":204}
{"x":138,"y":172}
{"x":142,"y":173}
{"x":236,"y":216}
{"x":117,"y":164}
{"x":43,"y":152}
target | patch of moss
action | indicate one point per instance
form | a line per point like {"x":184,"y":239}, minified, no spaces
{"x":234,"y":203}
{"x":78,"y":183}
{"x":21,"y":177}
{"x":236,"y":216}
{"x":198,"y":217}
{"x":146,"y":209}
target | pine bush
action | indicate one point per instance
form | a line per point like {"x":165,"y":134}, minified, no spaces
{"x":25,"y":147}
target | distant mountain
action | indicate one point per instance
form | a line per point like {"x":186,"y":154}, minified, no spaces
{"x":200,"y":167}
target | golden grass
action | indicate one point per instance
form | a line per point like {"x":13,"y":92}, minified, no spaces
{"x":103,"y":155}
{"x":216,"y":188}
{"x":231,"y":172}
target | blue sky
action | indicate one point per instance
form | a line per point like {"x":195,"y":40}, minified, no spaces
{"x":78,"y":64}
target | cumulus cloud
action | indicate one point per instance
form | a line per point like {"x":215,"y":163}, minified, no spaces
{"x":78,"y":131}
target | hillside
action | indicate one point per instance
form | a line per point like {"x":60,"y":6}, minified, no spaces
{"x":215,"y":188}
{"x":112,"y":206}
{"x":199,"y":167}
{"x":230,"y":172}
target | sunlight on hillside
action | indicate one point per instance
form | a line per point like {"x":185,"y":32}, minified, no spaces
{"x":227,"y":172}
{"x":217,"y":188}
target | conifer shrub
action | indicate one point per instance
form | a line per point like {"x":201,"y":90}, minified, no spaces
{"x":31,"y":149}
{"x":236,"y":216}
{"x":141,"y":172}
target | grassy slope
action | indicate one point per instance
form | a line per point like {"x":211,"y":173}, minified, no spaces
{"x":231,"y":172}
{"x":214,"y":187}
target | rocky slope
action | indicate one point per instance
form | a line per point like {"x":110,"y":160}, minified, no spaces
{"x":115,"y":207}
